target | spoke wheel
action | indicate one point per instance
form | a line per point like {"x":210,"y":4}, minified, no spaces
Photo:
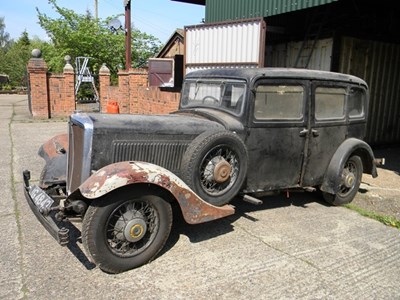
{"x":123,"y":234}
{"x":219,"y":170}
{"x":131,"y":227}
{"x":350,"y":180}
{"x":215,"y":166}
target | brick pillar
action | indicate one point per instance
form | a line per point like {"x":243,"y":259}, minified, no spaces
{"x":104,"y":80}
{"x":69,"y":89}
{"x":37,"y":69}
{"x":138,"y":80}
{"x":124,"y":91}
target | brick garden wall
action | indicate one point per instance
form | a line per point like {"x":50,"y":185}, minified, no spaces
{"x":52,"y":95}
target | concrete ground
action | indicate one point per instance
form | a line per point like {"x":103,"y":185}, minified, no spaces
{"x":382,"y":194}
{"x":289,"y":248}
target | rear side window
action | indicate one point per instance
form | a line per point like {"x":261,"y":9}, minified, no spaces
{"x":330,"y":103}
{"x":279,"y":102}
{"x":356,"y":100}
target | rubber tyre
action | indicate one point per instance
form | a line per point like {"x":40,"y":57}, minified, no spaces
{"x":205,"y":148}
{"x":97,"y":222}
{"x":346,"y":195}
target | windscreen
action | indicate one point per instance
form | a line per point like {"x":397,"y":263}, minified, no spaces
{"x":221,"y":94}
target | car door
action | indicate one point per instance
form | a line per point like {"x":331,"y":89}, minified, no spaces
{"x":328,"y":128}
{"x":277,"y":134}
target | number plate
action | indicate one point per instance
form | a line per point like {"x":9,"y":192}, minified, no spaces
{"x":40,"y":198}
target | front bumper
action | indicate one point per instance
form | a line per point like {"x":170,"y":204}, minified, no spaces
{"x":46,"y":218}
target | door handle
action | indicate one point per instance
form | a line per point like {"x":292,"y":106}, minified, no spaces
{"x":303,"y":132}
{"x":314,"y":132}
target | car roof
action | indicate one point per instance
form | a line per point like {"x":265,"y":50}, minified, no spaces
{"x":251,"y":74}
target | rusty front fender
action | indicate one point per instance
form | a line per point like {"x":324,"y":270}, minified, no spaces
{"x":54,"y":153}
{"x":194,"y":209}
{"x":54,"y":147}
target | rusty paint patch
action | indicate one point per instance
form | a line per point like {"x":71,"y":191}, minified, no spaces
{"x":194,"y":209}
{"x":55,"y":146}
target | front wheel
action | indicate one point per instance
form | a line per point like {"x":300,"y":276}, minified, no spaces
{"x":122,"y":234}
{"x":349,"y":182}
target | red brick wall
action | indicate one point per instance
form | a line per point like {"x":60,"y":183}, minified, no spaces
{"x":155,"y":101}
{"x":133,"y":94}
{"x":52,"y":95}
{"x":61,"y":100}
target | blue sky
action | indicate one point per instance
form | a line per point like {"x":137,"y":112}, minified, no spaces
{"x":157,"y":17}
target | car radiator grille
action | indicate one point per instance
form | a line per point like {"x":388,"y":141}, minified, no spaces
{"x":164,"y":154}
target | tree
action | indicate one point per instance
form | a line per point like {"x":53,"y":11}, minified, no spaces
{"x":16,"y":59}
{"x":83,"y":35}
{"x":5,"y":41}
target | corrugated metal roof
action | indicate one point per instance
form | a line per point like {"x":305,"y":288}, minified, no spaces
{"x":222,"y":10}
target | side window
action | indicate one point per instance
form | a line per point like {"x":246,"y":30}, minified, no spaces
{"x":356,"y":102}
{"x":330,"y":103}
{"x":279,"y":102}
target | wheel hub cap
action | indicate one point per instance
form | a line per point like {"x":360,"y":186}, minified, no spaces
{"x":130,"y":227}
{"x":135,"y":230}
{"x":222,"y":171}
{"x":349,"y":180}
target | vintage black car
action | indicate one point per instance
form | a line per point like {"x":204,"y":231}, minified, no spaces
{"x":237,"y":133}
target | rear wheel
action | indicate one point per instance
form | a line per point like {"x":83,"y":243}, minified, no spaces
{"x":124,"y":234}
{"x":349,"y":182}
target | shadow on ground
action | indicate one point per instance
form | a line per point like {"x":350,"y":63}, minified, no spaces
{"x":201,"y":232}
{"x":392,"y":158}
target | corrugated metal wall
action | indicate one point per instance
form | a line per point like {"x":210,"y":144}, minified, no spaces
{"x":222,"y":10}
{"x":228,"y":44}
{"x":379,"y":65}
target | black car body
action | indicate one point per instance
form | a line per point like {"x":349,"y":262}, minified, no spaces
{"x":237,"y":133}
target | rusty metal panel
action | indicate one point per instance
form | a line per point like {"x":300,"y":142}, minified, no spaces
{"x":113,"y":176}
{"x":227,"y":44}
{"x":379,"y":65}
{"x":222,"y":10}
{"x":56,"y":146}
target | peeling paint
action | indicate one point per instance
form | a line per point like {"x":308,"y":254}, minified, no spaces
{"x":52,"y":147}
{"x":194,"y":209}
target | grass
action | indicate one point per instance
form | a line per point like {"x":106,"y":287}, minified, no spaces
{"x":387,"y":220}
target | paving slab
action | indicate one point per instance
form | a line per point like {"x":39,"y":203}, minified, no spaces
{"x":11,"y":278}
